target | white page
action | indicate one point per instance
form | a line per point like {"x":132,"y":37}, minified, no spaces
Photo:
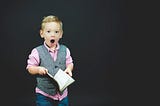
{"x":63,"y":79}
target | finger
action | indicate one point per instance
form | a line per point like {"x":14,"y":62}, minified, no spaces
{"x":70,"y":74}
{"x":46,"y":70}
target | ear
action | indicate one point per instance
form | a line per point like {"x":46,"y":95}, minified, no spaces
{"x":41,"y":33}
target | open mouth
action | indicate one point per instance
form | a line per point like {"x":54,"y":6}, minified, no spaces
{"x":52,"y":40}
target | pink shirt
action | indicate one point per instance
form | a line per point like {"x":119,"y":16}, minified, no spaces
{"x":34,"y":60}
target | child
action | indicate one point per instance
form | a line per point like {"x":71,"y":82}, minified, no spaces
{"x":40,"y":59}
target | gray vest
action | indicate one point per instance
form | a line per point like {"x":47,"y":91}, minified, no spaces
{"x":45,"y":83}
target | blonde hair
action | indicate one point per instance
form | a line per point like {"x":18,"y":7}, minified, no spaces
{"x":51,"y":18}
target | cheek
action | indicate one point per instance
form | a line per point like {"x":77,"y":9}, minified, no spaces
{"x":60,"y":36}
{"x":45,"y":37}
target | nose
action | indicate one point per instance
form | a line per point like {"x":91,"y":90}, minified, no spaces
{"x":52,"y":34}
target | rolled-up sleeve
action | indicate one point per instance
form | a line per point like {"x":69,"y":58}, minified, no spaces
{"x":33,"y":58}
{"x":69,"y":59}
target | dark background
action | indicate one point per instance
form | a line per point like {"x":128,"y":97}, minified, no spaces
{"x":95,"y":32}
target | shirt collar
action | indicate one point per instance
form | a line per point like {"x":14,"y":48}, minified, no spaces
{"x":50,"y":49}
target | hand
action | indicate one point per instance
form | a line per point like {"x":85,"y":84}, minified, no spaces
{"x":68,"y":71}
{"x":42,"y":70}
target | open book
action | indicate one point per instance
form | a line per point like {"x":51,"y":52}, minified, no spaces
{"x":63,"y":79}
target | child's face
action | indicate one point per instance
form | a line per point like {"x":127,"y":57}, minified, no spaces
{"x":51,"y":31}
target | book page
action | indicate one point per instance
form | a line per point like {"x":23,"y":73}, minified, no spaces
{"x":63,"y":79}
